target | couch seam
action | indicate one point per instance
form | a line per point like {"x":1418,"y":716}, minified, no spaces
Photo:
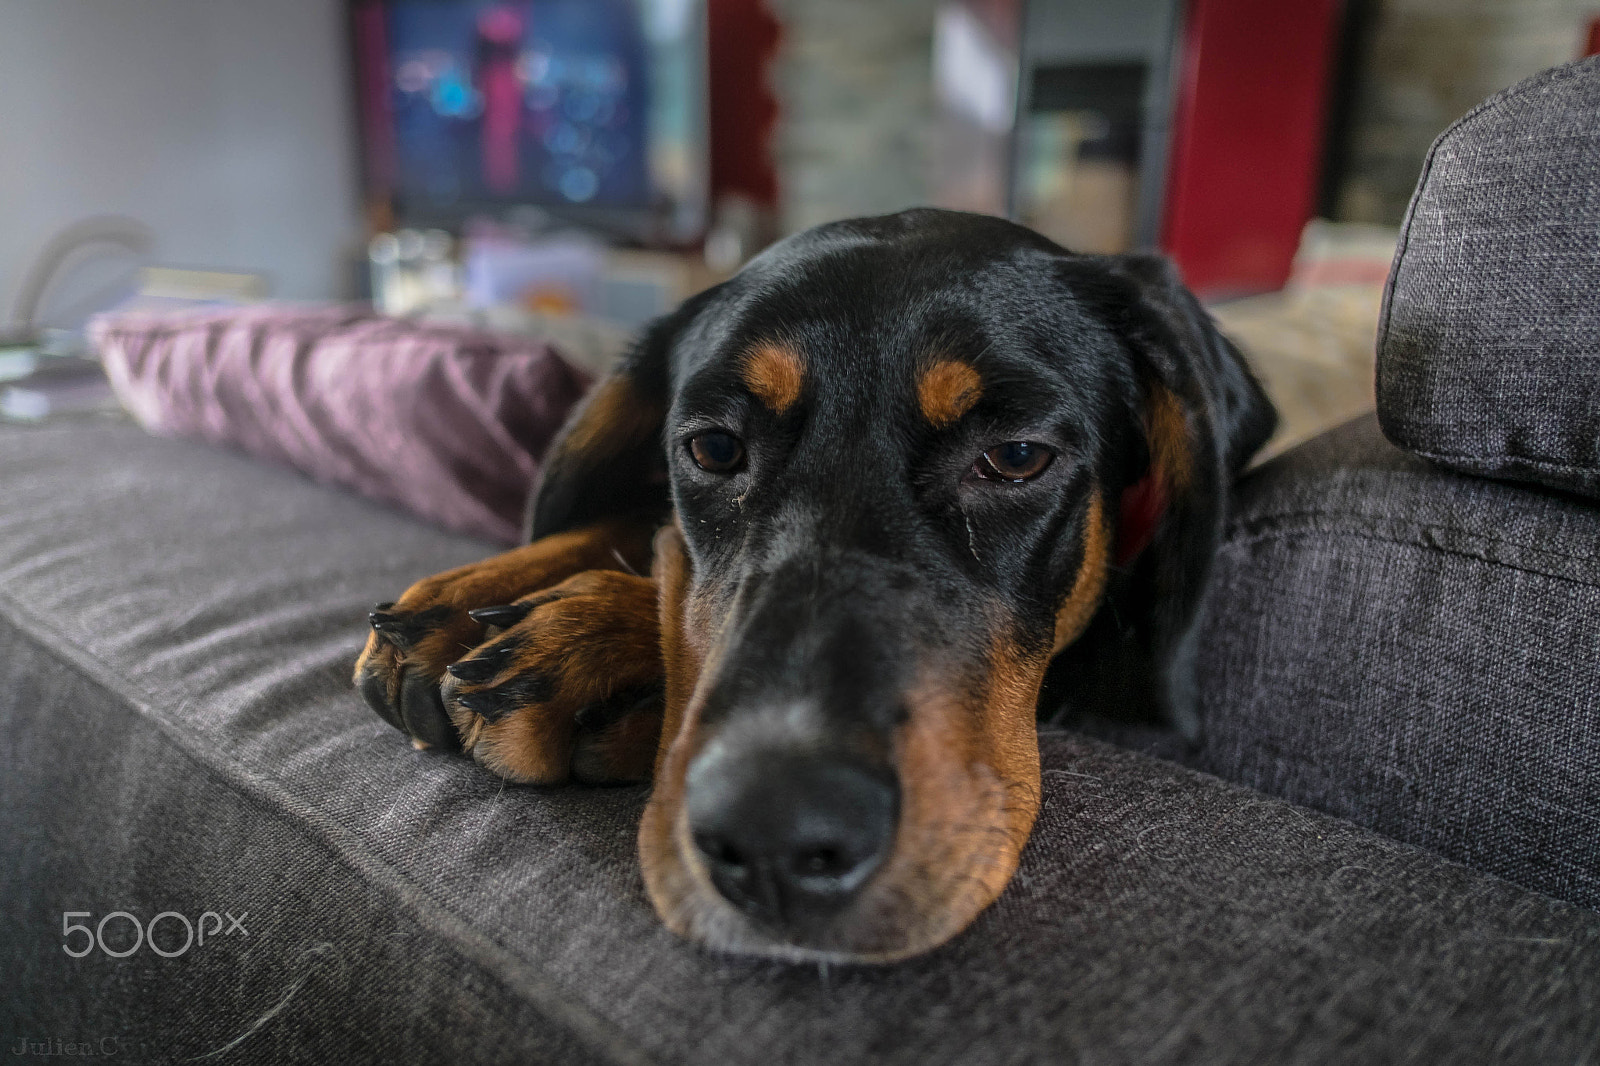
{"x":1550,"y":464}
{"x":1241,"y":537}
{"x":1243,"y":524}
{"x":498,"y":961}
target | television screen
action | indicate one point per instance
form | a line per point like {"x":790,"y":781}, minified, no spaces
{"x":593,"y":109}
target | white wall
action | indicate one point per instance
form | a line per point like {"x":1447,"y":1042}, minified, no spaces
{"x":226,"y":126}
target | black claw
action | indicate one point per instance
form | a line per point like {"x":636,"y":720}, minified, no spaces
{"x":482,"y":666}
{"x":489,"y":705}
{"x":504,"y":616}
{"x":403,"y":629}
{"x":398,"y":629}
{"x":495,"y":703}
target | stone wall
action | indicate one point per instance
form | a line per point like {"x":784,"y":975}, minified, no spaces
{"x":1425,"y":63}
{"x":854,"y":82}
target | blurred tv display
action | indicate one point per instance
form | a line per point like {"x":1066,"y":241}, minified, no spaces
{"x":593,"y":109}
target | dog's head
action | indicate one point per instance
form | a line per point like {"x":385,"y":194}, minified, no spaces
{"x":910,"y":460}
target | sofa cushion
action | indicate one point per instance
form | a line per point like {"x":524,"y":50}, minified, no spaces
{"x":1489,"y":343}
{"x":1416,"y":651}
{"x":446,"y":421}
{"x":177,"y":626}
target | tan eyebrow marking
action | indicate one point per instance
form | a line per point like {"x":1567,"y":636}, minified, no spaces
{"x":1081,"y":603}
{"x":947,"y":390}
{"x":774,"y":374}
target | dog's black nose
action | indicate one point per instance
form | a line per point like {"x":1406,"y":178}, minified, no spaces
{"x":789,"y":838}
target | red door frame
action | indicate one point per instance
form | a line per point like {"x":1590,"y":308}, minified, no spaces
{"x":1248,"y":129}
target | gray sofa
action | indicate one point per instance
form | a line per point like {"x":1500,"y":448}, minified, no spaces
{"x":1387,"y":848}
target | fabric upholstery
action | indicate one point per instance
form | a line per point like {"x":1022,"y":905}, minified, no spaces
{"x":445,"y":421}
{"x":1489,"y":344}
{"x":178,"y":732}
{"x":1416,"y":651}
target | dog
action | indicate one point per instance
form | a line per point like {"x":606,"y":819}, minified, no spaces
{"x":820,"y":554}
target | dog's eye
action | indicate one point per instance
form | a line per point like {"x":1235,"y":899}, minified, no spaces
{"x":1015,"y":460}
{"x":717,"y":452}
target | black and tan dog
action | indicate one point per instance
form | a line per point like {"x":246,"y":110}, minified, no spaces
{"x":900,"y":486}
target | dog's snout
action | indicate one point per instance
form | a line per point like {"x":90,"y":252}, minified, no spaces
{"x":790,"y":838}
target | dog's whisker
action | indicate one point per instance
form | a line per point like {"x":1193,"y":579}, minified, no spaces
{"x":627,"y":567}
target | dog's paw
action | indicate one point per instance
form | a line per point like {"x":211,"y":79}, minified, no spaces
{"x":431,"y":626}
{"x":398,"y":674}
{"x":567,"y":686}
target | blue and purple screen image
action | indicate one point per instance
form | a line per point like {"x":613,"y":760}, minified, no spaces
{"x":539,"y":101}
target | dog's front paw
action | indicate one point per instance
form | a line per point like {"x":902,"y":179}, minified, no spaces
{"x":432,"y":625}
{"x":568,"y":685}
{"x":398,"y":674}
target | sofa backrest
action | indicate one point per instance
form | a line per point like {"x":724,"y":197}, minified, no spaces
{"x":1489,"y":341}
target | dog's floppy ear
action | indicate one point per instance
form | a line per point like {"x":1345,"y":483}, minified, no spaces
{"x":1201,"y":411}
{"x":1180,"y":348}
{"x":1197,"y":416}
{"x":609,"y":460}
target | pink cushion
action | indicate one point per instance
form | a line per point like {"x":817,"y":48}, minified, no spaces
{"x":447,"y":422}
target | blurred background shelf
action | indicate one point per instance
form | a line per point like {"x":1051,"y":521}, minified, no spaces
{"x":572,"y":168}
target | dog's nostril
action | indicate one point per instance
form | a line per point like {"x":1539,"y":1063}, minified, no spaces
{"x":718,"y":851}
{"x":818,"y":861}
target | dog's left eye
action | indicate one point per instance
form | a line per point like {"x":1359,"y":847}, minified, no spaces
{"x":1014,"y":461}
{"x":716,"y":452}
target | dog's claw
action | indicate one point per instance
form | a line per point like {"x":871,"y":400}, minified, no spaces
{"x":495,"y":703}
{"x":504,"y":616}
{"x":482,"y":667}
{"x":485,"y":704}
{"x":398,"y":629}
{"x":472,"y":671}
{"x":404,"y":629}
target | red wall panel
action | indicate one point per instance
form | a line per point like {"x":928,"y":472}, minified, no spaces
{"x":1247,"y":139}
{"x":742,"y":37}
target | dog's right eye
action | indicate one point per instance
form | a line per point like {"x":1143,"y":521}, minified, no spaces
{"x":717,"y":452}
{"x":1015,"y":461}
